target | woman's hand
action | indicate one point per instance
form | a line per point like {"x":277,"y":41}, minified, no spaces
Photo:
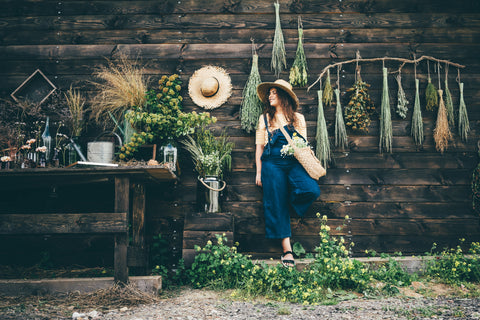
{"x":258,"y":163}
{"x":258,"y":179}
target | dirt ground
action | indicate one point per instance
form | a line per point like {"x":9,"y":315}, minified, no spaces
{"x":418,"y":301}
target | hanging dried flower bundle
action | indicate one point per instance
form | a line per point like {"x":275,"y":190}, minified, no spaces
{"x":359,"y":108}
{"x":298,"y":72}
{"x":341,"y":139}
{"x":431,"y":96}
{"x":279,"y":61}
{"x":385,"y":117}
{"x":322,"y":151}
{"x":448,"y":100}
{"x":442,"y":133}
{"x":463,"y":123}
{"x":402,"y":101}
{"x":251,"y":107}
{"x":417,"y":120}
{"x":327,"y":91}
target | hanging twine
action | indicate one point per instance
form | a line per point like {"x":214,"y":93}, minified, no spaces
{"x":298,"y":72}
{"x":385,"y":117}
{"x":279,"y":61}
{"x":322,"y":151}
{"x":251,"y":107}
{"x":463,"y":123}
{"x":448,"y":100}
{"x":402,"y":101}
{"x":442,"y":133}
{"x":341,"y":139}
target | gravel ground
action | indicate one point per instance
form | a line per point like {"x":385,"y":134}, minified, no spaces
{"x":189,"y":304}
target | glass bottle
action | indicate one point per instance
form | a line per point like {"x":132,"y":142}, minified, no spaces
{"x":71,"y":153}
{"x":170,"y":156}
{"x":47,"y":140}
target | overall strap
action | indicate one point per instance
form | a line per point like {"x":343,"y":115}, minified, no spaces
{"x":266,"y":124}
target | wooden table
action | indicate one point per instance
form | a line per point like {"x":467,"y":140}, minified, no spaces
{"x":126,"y":179}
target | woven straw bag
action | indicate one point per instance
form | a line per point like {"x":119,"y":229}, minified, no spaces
{"x":306,"y":158}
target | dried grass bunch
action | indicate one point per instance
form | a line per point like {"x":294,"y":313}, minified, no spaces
{"x":76,"y":106}
{"x":124,"y":86}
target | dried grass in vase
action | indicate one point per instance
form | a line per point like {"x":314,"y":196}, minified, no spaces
{"x":76,"y":108}
{"x":124,"y":85}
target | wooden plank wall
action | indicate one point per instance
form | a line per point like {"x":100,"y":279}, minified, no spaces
{"x":399,"y":201}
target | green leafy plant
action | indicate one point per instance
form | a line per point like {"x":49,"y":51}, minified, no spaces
{"x":161,"y":117}
{"x":452,"y":266}
{"x":332,"y":267}
{"x":219,"y":266}
{"x":393,"y":273}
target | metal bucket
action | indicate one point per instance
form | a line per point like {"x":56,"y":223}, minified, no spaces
{"x":100,"y":151}
{"x":209,"y":194}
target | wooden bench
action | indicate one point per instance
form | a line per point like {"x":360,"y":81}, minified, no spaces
{"x":115,"y":224}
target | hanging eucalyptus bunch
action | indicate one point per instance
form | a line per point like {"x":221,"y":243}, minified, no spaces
{"x":431,"y":95}
{"x":417,"y":120}
{"x":279,"y":61}
{"x":463,"y":123}
{"x":298,"y":72}
{"x":327,"y":91}
{"x":251,"y":107}
{"x":402,"y":101}
{"x":341,"y":139}
{"x":322,"y":151}
{"x":448,"y":100}
{"x":385,"y":117}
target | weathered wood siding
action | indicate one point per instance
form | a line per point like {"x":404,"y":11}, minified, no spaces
{"x":399,"y":201}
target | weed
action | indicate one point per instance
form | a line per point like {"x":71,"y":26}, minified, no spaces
{"x":284,"y":311}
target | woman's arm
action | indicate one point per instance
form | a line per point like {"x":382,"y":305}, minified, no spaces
{"x":302,"y":125}
{"x":258,"y":163}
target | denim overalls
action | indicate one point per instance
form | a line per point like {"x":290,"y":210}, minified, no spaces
{"x":286,"y":185}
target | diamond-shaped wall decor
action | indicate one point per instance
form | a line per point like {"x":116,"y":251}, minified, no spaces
{"x":36,"y":89}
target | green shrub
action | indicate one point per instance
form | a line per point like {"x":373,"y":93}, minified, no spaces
{"x":218,"y":266}
{"x":393,"y":273}
{"x":453,"y":266}
{"x":332,"y":267}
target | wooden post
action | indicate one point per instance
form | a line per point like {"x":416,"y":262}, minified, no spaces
{"x":122,"y":203}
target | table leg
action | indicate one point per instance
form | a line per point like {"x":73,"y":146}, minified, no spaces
{"x":122,"y":204}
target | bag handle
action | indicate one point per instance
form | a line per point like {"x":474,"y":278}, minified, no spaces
{"x":213,"y":189}
{"x":287,"y":136}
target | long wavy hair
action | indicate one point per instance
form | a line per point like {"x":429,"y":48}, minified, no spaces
{"x":286,"y":102}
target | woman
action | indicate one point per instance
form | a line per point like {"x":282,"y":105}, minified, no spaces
{"x":285,"y":182}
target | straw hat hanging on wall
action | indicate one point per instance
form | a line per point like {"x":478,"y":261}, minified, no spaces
{"x":210,"y":87}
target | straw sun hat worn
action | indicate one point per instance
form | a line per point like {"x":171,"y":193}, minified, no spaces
{"x":210,"y":87}
{"x":263,"y":90}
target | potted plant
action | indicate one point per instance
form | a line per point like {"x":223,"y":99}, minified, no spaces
{"x":212,"y":157}
{"x":160,"y":120}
